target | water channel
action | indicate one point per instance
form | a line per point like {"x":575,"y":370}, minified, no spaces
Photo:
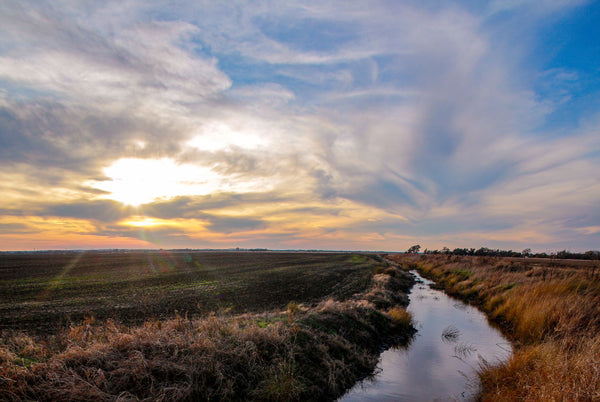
{"x":453,"y":338}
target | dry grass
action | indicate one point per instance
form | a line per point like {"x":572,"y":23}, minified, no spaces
{"x":552,"y":313}
{"x":400,"y":317}
{"x":450,"y":334}
{"x":298,"y":354}
{"x":550,"y":371}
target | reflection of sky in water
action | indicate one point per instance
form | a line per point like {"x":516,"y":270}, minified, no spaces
{"x":434,"y":368}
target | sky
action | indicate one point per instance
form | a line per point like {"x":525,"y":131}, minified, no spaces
{"x":347,"y":125}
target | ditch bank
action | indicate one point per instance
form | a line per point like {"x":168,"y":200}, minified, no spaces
{"x":303,"y":353}
{"x":551,"y":314}
{"x":441,"y":363}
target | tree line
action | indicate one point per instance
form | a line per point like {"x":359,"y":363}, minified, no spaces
{"x":526,"y":253}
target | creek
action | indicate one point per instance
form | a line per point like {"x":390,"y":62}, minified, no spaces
{"x":441,"y":362}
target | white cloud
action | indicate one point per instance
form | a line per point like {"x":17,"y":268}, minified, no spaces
{"x":269,"y":95}
{"x":410,"y":110}
{"x":541,"y":7}
{"x":142,"y":65}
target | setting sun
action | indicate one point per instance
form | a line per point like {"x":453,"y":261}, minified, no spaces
{"x":139,"y":181}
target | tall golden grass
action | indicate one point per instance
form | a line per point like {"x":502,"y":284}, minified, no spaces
{"x":552,"y":314}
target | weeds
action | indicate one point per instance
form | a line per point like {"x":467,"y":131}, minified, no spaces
{"x":463,"y":350}
{"x":450,"y":334}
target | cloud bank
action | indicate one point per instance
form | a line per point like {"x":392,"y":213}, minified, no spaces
{"x":296,"y":125}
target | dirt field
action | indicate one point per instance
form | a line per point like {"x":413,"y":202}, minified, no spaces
{"x":41,"y":292}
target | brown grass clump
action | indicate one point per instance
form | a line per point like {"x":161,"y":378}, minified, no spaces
{"x":303,"y":353}
{"x":292,"y":309}
{"x":550,"y":371}
{"x":281,"y":383}
{"x":550,"y":311}
{"x":400,"y":317}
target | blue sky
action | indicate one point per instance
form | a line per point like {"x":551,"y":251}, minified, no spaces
{"x":338,"y":125}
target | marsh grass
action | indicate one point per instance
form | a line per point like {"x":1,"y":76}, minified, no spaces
{"x":550,"y":310}
{"x":464,"y":350}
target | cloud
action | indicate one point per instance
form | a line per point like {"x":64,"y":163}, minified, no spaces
{"x":316,"y":122}
{"x":230,"y":224}
{"x":269,"y":94}
{"x":532,"y":6}
{"x":197,"y":206}
{"x":15,"y":228}
{"x":79,"y":94}
{"x":132,"y":65}
{"x":99,"y":210}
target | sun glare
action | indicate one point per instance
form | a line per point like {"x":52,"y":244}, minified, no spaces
{"x":138,"y":181}
{"x":134,"y":181}
{"x":144,"y":222}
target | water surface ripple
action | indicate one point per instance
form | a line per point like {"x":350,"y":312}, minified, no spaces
{"x":441,"y":362}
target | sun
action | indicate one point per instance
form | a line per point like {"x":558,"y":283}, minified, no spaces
{"x":135,"y":181}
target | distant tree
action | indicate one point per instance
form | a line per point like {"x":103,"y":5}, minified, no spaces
{"x":445,"y":250}
{"x":483,"y":251}
{"x":526,"y":252}
{"x":414,"y":249}
{"x":460,"y":251}
{"x":592,"y":255}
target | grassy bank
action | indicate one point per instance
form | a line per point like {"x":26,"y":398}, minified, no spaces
{"x":311,"y":350}
{"x":551,"y":311}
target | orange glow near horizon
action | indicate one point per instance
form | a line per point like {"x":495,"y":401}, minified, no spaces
{"x":45,"y":241}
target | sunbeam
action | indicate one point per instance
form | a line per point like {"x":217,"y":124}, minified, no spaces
{"x":59,"y":279}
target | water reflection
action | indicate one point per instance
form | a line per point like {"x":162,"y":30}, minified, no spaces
{"x":441,"y":362}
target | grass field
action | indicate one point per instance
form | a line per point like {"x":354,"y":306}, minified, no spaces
{"x":179,"y":325}
{"x":551,"y":311}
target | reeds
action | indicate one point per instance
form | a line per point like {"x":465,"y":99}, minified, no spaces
{"x":450,"y":334}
